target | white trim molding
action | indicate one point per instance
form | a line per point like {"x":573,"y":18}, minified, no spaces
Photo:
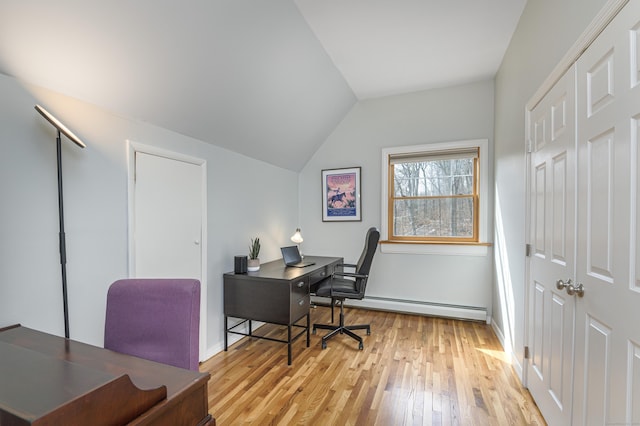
{"x":440,"y":249}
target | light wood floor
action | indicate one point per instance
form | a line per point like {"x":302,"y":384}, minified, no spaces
{"x":414,"y":370}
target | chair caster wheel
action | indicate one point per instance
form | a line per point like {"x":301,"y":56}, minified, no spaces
{"x":360,"y":346}
{"x":324,"y":345}
{"x":313,"y":331}
{"x":368,"y":332}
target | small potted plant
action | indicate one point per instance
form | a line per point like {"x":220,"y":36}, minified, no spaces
{"x":254,"y":250}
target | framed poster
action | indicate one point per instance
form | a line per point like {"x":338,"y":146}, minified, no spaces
{"x":341,"y":195}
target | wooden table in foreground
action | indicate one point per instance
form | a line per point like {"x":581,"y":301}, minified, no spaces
{"x":46,"y":380}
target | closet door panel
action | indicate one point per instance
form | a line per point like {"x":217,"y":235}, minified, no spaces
{"x":599,"y":206}
{"x":552,"y":227}
{"x":608,"y":315}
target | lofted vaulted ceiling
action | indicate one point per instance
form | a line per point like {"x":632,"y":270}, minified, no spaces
{"x":269,"y":79}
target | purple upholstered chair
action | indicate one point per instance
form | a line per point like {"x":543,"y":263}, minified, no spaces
{"x":156,"y":319}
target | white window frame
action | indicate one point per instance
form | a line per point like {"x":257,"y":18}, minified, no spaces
{"x":453,"y":248}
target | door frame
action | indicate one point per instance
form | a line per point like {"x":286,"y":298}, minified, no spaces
{"x":132,"y":148}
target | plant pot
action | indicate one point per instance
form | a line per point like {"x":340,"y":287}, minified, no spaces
{"x":253,"y":265}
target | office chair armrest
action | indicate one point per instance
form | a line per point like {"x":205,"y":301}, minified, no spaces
{"x":350,"y":274}
{"x":348,"y":265}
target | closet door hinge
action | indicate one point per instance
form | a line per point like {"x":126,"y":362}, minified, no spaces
{"x":527,"y":250}
{"x":526,"y":352}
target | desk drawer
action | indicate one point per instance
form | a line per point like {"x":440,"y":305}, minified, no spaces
{"x":320,"y":275}
{"x":299,"y":288}
{"x":300,"y":299}
{"x":299,"y":307}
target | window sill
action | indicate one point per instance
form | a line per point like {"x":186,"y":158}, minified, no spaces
{"x":447,"y":249}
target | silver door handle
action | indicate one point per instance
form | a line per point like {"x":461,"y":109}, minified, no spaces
{"x":561,"y":285}
{"x":577,"y":290}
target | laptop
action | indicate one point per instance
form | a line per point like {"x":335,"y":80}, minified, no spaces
{"x":291,"y":257}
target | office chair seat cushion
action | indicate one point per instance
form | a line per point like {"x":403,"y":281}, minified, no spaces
{"x":338,"y":288}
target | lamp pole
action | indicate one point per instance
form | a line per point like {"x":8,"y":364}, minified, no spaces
{"x":61,"y":128}
{"x":62,"y":238}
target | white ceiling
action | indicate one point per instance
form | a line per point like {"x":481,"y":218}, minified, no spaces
{"x":386,"y":47}
{"x":268,"y":79}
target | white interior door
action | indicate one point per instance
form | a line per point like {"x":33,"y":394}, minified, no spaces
{"x":552,"y":236}
{"x":168,"y":225}
{"x":607,"y":373}
{"x":168,"y":217}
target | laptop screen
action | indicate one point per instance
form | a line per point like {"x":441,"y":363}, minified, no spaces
{"x":291,"y":255}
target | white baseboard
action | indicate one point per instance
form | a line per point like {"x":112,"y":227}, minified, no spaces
{"x":510,"y":355}
{"x":500,"y":335}
{"x":414,"y":307}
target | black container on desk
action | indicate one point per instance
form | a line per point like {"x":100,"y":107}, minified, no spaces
{"x":240,"y":265}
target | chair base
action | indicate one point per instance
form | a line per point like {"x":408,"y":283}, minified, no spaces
{"x":342,"y":329}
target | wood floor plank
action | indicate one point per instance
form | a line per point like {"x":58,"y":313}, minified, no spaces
{"x":414,"y":370}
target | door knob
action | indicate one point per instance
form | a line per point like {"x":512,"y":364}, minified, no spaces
{"x":561,"y":285}
{"x":577,"y":290}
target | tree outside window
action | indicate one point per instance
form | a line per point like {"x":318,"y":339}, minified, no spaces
{"x":433,"y":196}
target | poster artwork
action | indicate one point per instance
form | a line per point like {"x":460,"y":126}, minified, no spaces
{"x":341,"y":195}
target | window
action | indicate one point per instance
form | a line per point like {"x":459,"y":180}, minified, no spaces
{"x":433,"y":193}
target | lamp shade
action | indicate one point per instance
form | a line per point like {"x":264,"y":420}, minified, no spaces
{"x":58,"y":125}
{"x":297,"y":237}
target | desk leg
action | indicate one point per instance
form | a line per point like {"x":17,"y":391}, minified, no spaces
{"x":289,"y":345}
{"x":308,"y":326}
{"x":226,"y":319}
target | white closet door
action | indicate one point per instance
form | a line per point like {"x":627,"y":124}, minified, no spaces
{"x":552,"y":236}
{"x":168,"y":217}
{"x":607,"y":362}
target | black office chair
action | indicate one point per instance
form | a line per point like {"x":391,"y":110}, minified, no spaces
{"x":344,"y":285}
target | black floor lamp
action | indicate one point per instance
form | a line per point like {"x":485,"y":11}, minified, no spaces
{"x":63,"y":251}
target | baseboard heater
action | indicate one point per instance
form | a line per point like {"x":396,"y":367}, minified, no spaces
{"x":414,"y":307}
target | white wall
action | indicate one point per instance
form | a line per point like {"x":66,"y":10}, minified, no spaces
{"x":547,"y":29}
{"x":246,"y":198}
{"x":456,"y":113}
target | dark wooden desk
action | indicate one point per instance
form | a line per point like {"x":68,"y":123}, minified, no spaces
{"x":45,"y":379}
{"x":275,"y":294}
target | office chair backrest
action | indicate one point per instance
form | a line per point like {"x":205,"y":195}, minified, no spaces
{"x":370,"y":245}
